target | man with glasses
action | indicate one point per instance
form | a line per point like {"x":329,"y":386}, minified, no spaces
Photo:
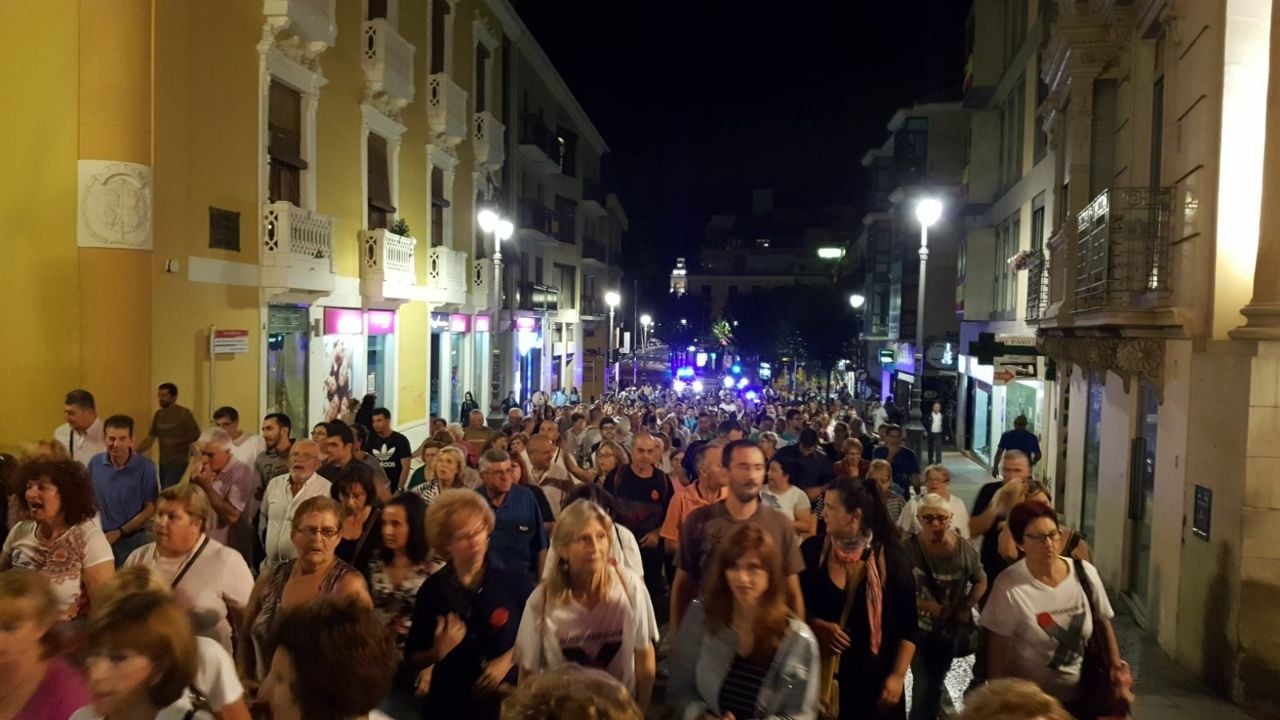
{"x":518,"y":534}
{"x":283,"y":495}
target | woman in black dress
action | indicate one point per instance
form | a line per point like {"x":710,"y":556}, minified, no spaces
{"x":361,"y":534}
{"x":860,"y":565}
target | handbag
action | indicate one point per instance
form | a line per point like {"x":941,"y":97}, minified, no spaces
{"x":962,"y":638}
{"x":1097,"y":696}
{"x":829,"y":691}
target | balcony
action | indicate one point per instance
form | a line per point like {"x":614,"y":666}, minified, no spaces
{"x":1122,"y":250}
{"x":489,"y":138}
{"x":593,"y":200}
{"x":594,"y":252}
{"x":539,"y":145}
{"x":447,"y":277}
{"x":388,"y":63}
{"x":297,"y":249}
{"x":592,"y":307}
{"x":535,"y":222}
{"x":312,"y":22}
{"x":386,"y":265}
{"x":481,"y":283}
{"x":539,"y":298}
{"x":1037,"y":285}
{"x":446,"y":110}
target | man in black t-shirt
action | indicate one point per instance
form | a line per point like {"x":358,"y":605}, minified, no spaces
{"x":391,"y":449}
{"x":641,"y":494}
{"x":991,"y":508}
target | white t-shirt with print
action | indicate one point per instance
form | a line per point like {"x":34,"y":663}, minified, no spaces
{"x":62,"y":560}
{"x":790,"y":499}
{"x":605,"y":637}
{"x":1048,"y":627}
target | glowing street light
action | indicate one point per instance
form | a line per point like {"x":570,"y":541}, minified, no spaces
{"x":928,"y":212}
{"x":612,"y":299}
{"x":857,"y":300}
{"x":830,"y":253}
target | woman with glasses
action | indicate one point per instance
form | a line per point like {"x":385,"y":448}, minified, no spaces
{"x":315,"y":573}
{"x":610,"y":456}
{"x":1071,"y":543}
{"x":861,"y":601}
{"x":1044,"y":609}
{"x":949,"y":581}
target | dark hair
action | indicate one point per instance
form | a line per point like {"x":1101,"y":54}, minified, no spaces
{"x":345,"y":479}
{"x":594,"y":493}
{"x":75,"y":488}
{"x":608,"y":421}
{"x":382,"y":412}
{"x":119,"y":422}
{"x":575,"y":417}
{"x":864,"y":497}
{"x":344,"y":671}
{"x":727,"y":427}
{"x":808,"y":438}
{"x":1024,"y":513}
{"x":80,"y":398}
{"x":361,"y":434}
{"x":791,"y":467}
{"x":228,"y":412}
{"x":415,"y":509}
{"x":792,"y":413}
{"x":342,"y":431}
{"x":693,"y":458}
{"x":169,"y":388}
{"x":281,"y":419}
{"x":734,"y":446}
{"x":773,"y":616}
{"x":890,"y":427}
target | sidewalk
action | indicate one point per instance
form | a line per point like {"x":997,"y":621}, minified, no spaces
{"x":1165,"y":690}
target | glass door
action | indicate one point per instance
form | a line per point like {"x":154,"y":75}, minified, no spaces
{"x":1092,"y":440}
{"x":288,"y":345}
{"x":1142,"y":490}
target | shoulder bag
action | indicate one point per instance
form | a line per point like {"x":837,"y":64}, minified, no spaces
{"x":1097,"y":696}
{"x":829,"y":692}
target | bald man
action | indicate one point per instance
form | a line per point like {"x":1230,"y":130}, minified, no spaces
{"x":642,"y":494}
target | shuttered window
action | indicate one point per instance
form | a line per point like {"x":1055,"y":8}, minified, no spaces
{"x":284,"y":144}
{"x":380,"y":206}
{"x":438,"y":205}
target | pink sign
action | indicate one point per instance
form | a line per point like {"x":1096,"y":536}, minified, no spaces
{"x":382,"y":322}
{"x":526,"y":323}
{"x":481,"y":323}
{"x":459,"y":323}
{"x":343,"y":321}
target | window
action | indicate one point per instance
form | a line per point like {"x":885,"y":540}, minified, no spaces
{"x":537,"y":271}
{"x":568,"y":146}
{"x":1007,"y":242}
{"x":440,"y":10}
{"x":483,"y":58}
{"x":1157,"y":115}
{"x":381,"y":208}
{"x":377,"y":9}
{"x":567,"y":283}
{"x":439,"y":203}
{"x":284,"y":144}
{"x":563,"y":223}
{"x":1012,"y":124}
{"x":1037,"y":222}
{"x":911,"y":147}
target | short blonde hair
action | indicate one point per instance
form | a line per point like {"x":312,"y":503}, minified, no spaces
{"x":1012,"y":699}
{"x":447,"y":512}
{"x":458,"y":456}
{"x":934,"y":501}
{"x":193,"y":501}
{"x":937,"y":469}
{"x":27,"y":595}
{"x":878,"y":465}
{"x":572,"y":692}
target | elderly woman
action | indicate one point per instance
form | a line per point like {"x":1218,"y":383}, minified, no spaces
{"x":741,"y":653}
{"x":229,"y":484}
{"x":361,"y":523}
{"x":213,"y":578}
{"x":446,"y":474}
{"x":853,"y":465}
{"x":588,"y":610}
{"x":141,"y":658}
{"x":880,"y":474}
{"x":316,"y":572}
{"x":937,"y":481}
{"x":60,"y":540}
{"x":308,"y":679}
{"x":464,"y":624}
{"x":37,"y":683}
{"x":769,"y":444}
{"x":1044,"y":609}
{"x":949,"y":581}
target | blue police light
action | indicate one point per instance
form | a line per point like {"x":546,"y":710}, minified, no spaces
{"x":684,"y":372}
{"x":728,"y":382}
{"x":742,"y":384}
{"x":736,"y":369}
{"x":751,"y":395}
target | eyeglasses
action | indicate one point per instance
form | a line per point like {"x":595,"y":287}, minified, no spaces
{"x":1042,"y":537}
{"x":328,"y":533}
{"x":935,"y":519}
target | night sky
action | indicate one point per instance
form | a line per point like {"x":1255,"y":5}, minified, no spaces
{"x":703,"y":100}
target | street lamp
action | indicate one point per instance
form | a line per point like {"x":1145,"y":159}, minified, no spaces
{"x":612,"y":299}
{"x":491,"y":223}
{"x":645,"y":322}
{"x":856,"y":301}
{"x":928,"y":211}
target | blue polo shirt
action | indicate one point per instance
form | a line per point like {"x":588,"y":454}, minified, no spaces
{"x":121,"y":493}
{"x":518,"y":533}
{"x":1023,"y":440}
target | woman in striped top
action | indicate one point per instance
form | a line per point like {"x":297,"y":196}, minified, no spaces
{"x":740,"y":652}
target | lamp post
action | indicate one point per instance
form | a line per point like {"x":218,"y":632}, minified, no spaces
{"x":612,"y":299}
{"x":928,"y":211}
{"x":856,"y":301}
{"x":502,"y":229}
{"x":642,"y":342}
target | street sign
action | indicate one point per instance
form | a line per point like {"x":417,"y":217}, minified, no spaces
{"x":1012,"y":367}
{"x":987,"y":348}
{"x":1016,"y":340}
{"x":886,"y":356}
{"x":230,"y":342}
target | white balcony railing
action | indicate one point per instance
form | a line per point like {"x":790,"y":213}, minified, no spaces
{"x":297,"y":247}
{"x":314,"y":22}
{"x":386,"y":264}
{"x":447,"y":276}
{"x":489,"y":138}
{"x":446,"y":109}
{"x":388,"y":62}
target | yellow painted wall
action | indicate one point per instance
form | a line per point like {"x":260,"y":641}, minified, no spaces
{"x":339,"y":140}
{"x":39,"y":281}
{"x":411,"y":338}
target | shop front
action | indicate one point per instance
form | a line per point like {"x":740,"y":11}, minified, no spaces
{"x":288,"y":360}
{"x":359,"y":358}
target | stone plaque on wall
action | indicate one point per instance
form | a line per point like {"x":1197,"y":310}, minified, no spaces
{"x":224,"y":229}
{"x":114,"y":205}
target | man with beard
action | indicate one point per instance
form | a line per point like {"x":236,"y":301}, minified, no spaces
{"x":175,"y":428}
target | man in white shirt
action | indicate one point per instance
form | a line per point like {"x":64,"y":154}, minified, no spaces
{"x":936,"y":433}
{"x":246,"y":447}
{"x":937,"y":479}
{"x":283,"y":495}
{"x":553,"y":478}
{"x":82,"y":435}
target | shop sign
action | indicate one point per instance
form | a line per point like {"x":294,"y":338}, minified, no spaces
{"x":230,"y":342}
{"x":1009,"y":368}
{"x":481,"y":323}
{"x":343,"y":321}
{"x":943,"y":355}
{"x":886,"y":356}
{"x":459,"y":323}
{"x":1016,"y":340}
{"x":381,"y":322}
{"x":526,"y":323}
{"x":287,"y":319}
{"x":439,"y":322}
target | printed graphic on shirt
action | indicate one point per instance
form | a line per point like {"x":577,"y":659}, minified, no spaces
{"x":1070,"y":640}
{"x":595,"y":650}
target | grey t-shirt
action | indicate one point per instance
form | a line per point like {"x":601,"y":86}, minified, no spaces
{"x":707,"y":526}
{"x":953,"y":576}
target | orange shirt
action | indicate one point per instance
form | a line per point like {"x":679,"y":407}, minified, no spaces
{"x":686,"y":500}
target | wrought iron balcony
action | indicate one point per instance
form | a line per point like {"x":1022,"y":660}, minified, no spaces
{"x":1037,"y":284}
{"x":297,"y":248}
{"x":386,"y":265}
{"x":446,"y":110}
{"x":1122,"y":247}
{"x":313,"y":22}
{"x":489,"y":138}
{"x":388,"y":62}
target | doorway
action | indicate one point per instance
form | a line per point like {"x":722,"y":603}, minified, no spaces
{"x":1092,"y":453}
{"x":1142,"y":489}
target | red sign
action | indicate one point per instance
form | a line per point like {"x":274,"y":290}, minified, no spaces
{"x":1003,"y":377}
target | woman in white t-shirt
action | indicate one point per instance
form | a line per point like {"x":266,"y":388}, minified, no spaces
{"x":62,"y":539}
{"x":625,"y":550}
{"x":1040,"y":615}
{"x":589,"y":611}
{"x":782,"y":495}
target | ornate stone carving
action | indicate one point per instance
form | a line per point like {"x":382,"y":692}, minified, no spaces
{"x":1129,"y":358}
{"x":114,"y":205}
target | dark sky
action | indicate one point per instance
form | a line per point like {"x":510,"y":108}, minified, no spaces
{"x":702,"y":100}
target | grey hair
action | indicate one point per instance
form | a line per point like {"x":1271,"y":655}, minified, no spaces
{"x":769,"y":436}
{"x":934,"y":501}
{"x":215,"y":436}
{"x":493,"y":456}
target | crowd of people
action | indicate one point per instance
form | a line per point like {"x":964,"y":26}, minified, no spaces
{"x":651,"y":554}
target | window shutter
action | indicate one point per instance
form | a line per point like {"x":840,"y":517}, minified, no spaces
{"x":379,"y":175}
{"x":284,"y":125}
